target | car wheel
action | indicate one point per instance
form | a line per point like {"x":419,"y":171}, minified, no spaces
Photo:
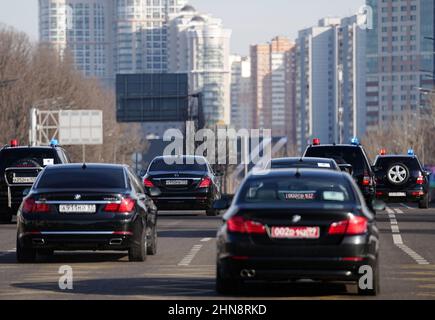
{"x":25,"y":255}
{"x":152,"y":243}
{"x":139,"y":247}
{"x":375,"y":290}
{"x":226,"y":286}
{"x":424,"y":203}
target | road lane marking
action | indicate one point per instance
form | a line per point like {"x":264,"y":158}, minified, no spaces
{"x":399,"y":211}
{"x":187,"y":260}
{"x":206,"y":239}
{"x":398,"y":240}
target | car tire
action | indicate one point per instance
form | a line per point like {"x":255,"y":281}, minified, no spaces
{"x":212,"y":213}
{"x":139,"y":247}
{"x":424,"y":203}
{"x":376,"y":283}
{"x":226,"y":286}
{"x":25,"y":255}
{"x":152,"y":243}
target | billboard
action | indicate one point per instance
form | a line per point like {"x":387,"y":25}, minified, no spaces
{"x":81,"y":127}
{"x":152,"y":97}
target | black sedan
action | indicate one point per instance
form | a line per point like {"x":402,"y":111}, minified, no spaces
{"x":86,"y":207}
{"x":289,"y":225}
{"x":184,"y":182}
{"x":301,"y":162}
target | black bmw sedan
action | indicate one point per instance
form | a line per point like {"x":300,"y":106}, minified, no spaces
{"x":184,"y":182}
{"x":86,"y":207}
{"x":297,"y":224}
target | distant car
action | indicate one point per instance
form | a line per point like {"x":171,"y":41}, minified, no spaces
{"x":19,"y":167}
{"x":86,"y":207}
{"x":287,"y":225}
{"x":401,"y":178}
{"x":351,"y":158}
{"x":307,"y":163}
{"x":184,"y":182}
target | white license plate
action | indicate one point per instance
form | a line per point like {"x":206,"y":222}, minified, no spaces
{"x":77,"y":208}
{"x":397,"y":194}
{"x":177,"y":182}
{"x":295,"y":232}
{"x":23,"y":179}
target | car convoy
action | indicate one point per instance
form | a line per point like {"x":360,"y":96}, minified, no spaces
{"x":311,"y":217}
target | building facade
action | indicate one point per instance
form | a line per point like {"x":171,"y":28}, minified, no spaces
{"x":199,"y":45}
{"x":242,"y":116}
{"x":400,"y":59}
{"x":106,"y":37}
{"x":330,"y":91}
{"x":273,"y":79}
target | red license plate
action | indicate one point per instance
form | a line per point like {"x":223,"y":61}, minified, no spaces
{"x":295,"y":232}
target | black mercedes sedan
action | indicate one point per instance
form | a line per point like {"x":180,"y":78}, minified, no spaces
{"x":184,"y":182}
{"x":86,"y":207}
{"x":297,"y":224}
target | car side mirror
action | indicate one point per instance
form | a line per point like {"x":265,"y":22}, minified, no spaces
{"x":26,"y":192}
{"x":379,"y":205}
{"x":221,"y":204}
{"x":155,"y":192}
{"x":427,"y":173}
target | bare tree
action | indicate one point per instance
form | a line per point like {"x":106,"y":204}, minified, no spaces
{"x":42,"y":75}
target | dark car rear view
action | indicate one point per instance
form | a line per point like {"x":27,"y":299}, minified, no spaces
{"x":402,"y":179}
{"x":296,"y":224}
{"x":183,"y":183}
{"x":86,"y":207}
{"x":19,"y":168}
{"x":353,"y":155}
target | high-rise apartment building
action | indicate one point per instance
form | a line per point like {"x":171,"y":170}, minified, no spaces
{"x":84,"y":28}
{"x":107,"y":37}
{"x":400,"y":59}
{"x":330,"y":90}
{"x":273,"y":76}
{"x":242,"y":111}
{"x":199,"y":45}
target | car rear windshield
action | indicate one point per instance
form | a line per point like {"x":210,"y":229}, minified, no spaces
{"x":172,"y":165}
{"x":299,"y":164}
{"x":27,"y":157}
{"x":384,"y":164}
{"x":78,"y":178}
{"x":293,"y":189}
{"x":342,"y":155}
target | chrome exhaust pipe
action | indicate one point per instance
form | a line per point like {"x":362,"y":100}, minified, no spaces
{"x":249,"y":274}
{"x":115,"y":242}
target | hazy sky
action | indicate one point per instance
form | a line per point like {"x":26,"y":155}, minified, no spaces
{"x":252,"y":21}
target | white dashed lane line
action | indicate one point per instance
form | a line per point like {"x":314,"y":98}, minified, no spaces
{"x":187,"y":260}
{"x":405,"y":206}
{"x":398,"y":240}
{"x":206,"y":239}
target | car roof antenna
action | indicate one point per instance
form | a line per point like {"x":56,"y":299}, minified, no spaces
{"x":84,"y":166}
{"x":297,"y":174}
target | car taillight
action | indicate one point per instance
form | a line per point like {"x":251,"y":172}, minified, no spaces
{"x":205,"y":183}
{"x":353,"y":226}
{"x":420,"y":180}
{"x":125,"y":206}
{"x":30,"y":206}
{"x":240,"y":225}
{"x":367,"y":181}
{"x":148,"y":183}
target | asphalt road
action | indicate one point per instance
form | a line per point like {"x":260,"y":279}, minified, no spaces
{"x":184,"y":267}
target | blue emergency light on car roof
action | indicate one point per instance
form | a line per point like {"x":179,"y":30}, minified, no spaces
{"x":411,"y":152}
{"x":54,"y":142}
{"x":355,"y":141}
